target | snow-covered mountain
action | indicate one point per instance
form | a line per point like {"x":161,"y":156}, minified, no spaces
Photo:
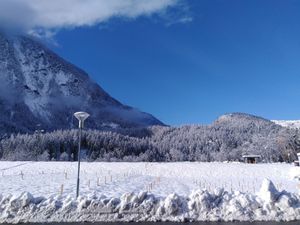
{"x":288,"y":123}
{"x":39,"y":87}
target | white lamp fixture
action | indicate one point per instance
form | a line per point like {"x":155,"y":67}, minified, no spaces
{"x":81,"y":116}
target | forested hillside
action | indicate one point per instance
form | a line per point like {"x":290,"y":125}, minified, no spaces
{"x":228,"y":138}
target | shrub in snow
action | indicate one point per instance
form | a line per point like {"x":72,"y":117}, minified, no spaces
{"x":64,"y":157}
{"x":44,"y":157}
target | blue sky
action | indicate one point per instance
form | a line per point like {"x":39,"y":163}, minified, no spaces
{"x":228,"y":56}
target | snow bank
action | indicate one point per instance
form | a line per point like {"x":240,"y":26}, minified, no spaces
{"x":295,"y":173}
{"x":200,"y":205}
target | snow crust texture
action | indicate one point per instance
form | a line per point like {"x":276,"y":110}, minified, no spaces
{"x":201,"y":205}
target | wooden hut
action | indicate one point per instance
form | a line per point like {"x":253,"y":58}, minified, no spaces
{"x":252,"y":159}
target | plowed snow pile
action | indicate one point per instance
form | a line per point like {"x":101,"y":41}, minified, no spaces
{"x":148,"y":192}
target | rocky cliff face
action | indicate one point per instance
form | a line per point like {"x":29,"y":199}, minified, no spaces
{"x":39,"y":87}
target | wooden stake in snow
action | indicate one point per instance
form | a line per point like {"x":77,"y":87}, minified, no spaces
{"x":61,"y":189}
{"x":22,"y":175}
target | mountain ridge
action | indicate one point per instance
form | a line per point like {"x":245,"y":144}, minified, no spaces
{"x":39,"y":87}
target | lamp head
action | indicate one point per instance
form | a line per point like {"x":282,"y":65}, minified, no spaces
{"x":81,"y":116}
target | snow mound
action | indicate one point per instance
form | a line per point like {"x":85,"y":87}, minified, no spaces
{"x":201,"y":205}
{"x":268,"y":192}
{"x":295,"y":173}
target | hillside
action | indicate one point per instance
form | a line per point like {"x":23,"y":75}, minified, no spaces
{"x":227,"y":139}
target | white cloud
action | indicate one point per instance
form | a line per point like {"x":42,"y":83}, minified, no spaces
{"x":35,"y":15}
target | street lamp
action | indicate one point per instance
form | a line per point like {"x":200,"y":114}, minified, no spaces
{"x":38,"y":148}
{"x":81,"y":116}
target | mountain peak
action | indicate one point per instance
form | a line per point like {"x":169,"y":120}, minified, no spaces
{"x":39,"y":87}
{"x":239,"y":115}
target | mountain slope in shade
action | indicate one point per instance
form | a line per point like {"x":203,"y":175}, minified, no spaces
{"x":39,"y":87}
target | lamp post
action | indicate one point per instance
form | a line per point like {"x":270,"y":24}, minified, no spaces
{"x":38,"y":134}
{"x":81,"y":116}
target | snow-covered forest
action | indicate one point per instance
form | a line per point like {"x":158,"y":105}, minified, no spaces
{"x":228,"y":138}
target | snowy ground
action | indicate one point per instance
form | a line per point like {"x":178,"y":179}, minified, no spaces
{"x":115,"y":179}
{"x":159,"y":191}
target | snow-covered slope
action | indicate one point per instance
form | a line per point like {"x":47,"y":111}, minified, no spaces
{"x":39,"y":87}
{"x":288,"y":123}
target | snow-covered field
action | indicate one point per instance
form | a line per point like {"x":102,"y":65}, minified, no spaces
{"x":148,"y":191}
{"x":114,"y":179}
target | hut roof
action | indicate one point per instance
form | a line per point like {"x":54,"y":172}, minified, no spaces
{"x":251,"y":156}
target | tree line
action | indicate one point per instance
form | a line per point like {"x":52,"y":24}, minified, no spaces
{"x":227,"y":139}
